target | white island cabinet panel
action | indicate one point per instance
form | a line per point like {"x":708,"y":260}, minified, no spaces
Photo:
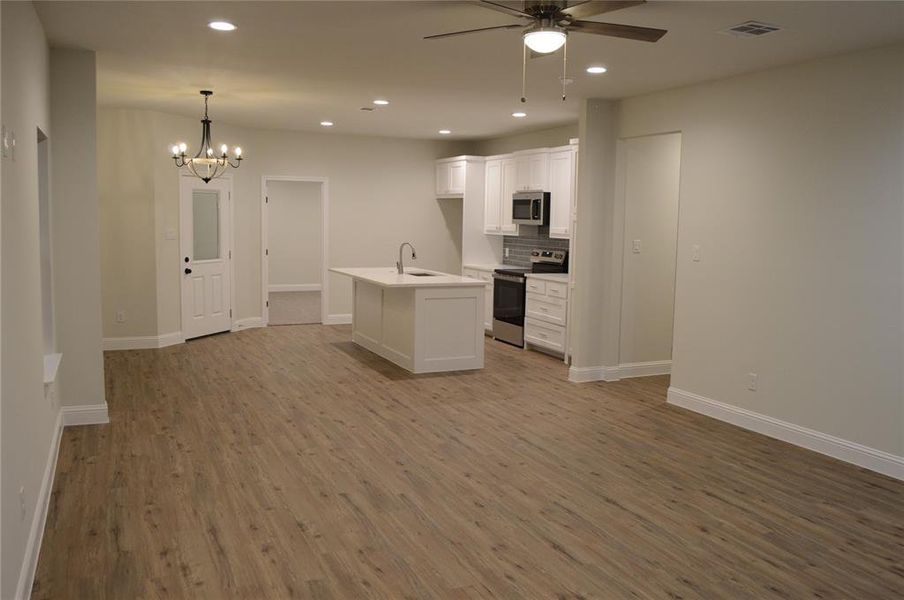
{"x":424,"y":324}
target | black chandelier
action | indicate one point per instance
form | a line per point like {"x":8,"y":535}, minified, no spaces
{"x":206,"y":164}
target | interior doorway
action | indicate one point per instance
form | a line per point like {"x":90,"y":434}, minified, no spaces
{"x":649,"y":189}
{"x":295,"y":281}
{"x":205,"y":268}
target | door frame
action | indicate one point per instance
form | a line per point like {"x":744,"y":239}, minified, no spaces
{"x":230,"y":248}
{"x":324,"y":243}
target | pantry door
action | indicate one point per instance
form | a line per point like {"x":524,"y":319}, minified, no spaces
{"x":206,"y":255}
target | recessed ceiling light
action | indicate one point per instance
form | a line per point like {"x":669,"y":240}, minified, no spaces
{"x":596,"y":69}
{"x":381,"y":102}
{"x":221,"y":25}
{"x":326,"y":123}
{"x":519,"y":115}
{"x":445,"y":131}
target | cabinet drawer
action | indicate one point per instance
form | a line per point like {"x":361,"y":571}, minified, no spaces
{"x":544,"y":308}
{"x":557,"y":289}
{"x":536,"y":286}
{"x":544,"y":334}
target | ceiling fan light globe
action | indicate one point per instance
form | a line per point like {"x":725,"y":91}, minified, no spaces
{"x":544,"y":40}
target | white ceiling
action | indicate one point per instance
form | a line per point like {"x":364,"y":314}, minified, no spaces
{"x":290,"y":65}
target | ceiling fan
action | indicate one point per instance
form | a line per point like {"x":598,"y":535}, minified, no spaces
{"x":550,"y":22}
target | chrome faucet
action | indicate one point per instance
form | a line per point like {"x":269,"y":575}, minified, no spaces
{"x":413,"y":256}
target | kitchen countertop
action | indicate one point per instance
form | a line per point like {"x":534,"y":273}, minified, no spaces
{"x":390,"y":278}
{"x":560,"y":277}
{"x":483,"y":267}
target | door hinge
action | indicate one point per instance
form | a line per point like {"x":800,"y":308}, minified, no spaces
{"x":230,"y":313}
{"x":266,"y":199}
{"x":267,"y":252}
{"x":268,"y":304}
{"x":230,"y":254}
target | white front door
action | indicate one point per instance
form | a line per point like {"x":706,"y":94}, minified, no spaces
{"x":206,"y":253}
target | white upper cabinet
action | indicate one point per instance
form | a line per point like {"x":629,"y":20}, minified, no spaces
{"x":492,"y":214}
{"x":561,"y":191}
{"x":500,"y":186}
{"x":532,"y":170}
{"x":450,"y":178}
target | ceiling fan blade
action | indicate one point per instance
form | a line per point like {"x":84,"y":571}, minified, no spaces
{"x":467,"y":31}
{"x":630,"y":32}
{"x":588,"y":8}
{"x":504,"y":8}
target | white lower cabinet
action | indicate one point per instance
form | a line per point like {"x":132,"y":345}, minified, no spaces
{"x":486,"y":276}
{"x":546,"y":313}
{"x":540,"y":333}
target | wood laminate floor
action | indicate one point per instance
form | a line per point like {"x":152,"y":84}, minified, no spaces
{"x":289,"y":463}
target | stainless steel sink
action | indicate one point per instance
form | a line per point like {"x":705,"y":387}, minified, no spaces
{"x":422,"y":274}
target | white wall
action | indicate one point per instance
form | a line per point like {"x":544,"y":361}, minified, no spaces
{"x":381,"y":193}
{"x":650,"y":167}
{"x":76,"y":227}
{"x":294,"y":232}
{"x":28,"y":420}
{"x":791,"y":183}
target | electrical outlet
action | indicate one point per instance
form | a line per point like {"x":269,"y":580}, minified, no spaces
{"x":695,"y":252}
{"x":22,"y":510}
{"x":636,"y":247}
{"x":752,"y":380}
{"x":120,"y":316}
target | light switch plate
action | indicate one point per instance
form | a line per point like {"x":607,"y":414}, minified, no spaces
{"x":636,"y":247}
{"x":695,"y":252}
{"x":169,"y":234}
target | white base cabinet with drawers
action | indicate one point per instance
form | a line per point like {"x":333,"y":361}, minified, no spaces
{"x":546,"y":312}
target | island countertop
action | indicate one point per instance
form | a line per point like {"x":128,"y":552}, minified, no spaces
{"x":389,"y":277}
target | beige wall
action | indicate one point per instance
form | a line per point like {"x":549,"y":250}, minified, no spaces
{"x":27,"y":418}
{"x":294,"y":232}
{"x":791,"y":185}
{"x":542,"y":138}
{"x":649,"y":166}
{"x":381,"y":193}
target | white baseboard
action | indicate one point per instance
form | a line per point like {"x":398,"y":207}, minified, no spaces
{"x":36,"y":533}
{"x":93,"y":414}
{"x":338,"y":320}
{"x":294,"y":287}
{"x":587,"y":374}
{"x":143,"y":342}
{"x":90,"y":414}
{"x":644,"y":369}
{"x":624,"y":371}
{"x":249,"y":323}
{"x":852,"y":452}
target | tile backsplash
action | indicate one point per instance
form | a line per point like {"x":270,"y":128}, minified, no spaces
{"x":529,"y":238}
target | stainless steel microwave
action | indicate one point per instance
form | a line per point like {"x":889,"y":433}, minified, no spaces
{"x":530,"y":208}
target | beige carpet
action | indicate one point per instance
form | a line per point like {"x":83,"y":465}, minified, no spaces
{"x":294,"y":308}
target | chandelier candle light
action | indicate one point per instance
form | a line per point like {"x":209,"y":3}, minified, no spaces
{"x":206,"y":164}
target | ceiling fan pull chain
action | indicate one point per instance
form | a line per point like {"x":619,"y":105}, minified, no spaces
{"x":564,"y":67}
{"x":523,"y":73}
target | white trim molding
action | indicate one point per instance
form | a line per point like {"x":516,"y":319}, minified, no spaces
{"x":39,"y":519}
{"x":625,"y":371}
{"x":294,"y":287}
{"x":644,"y":369}
{"x":88,"y":414}
{"x":143,"y":342}
{"x":338,"y":319}
{"x":249,"y":323}
{"x":587,"y":374}
{"x":847,"y":451}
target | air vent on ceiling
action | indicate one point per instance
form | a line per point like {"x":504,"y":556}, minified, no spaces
{"x":367,"y":108}
{"x":751,"y":29}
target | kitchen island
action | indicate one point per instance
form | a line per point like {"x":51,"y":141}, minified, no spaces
{"x":424,"y":321}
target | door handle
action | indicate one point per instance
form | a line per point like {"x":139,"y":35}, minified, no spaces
{"x":187,"y":271}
